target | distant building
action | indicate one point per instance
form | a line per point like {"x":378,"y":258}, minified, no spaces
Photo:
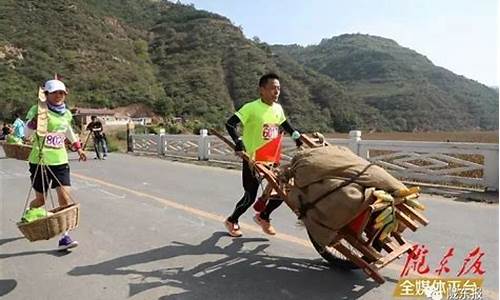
{"x":82,"y":115}
{"x":142,"y":121}
{"x":116,"y":120}
{"x":108,"y":117}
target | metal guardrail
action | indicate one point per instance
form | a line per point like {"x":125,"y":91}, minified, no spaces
{"x":455,"y":164}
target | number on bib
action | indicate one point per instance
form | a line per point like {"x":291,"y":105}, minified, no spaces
{"x":270,"y":131}
{"x":54,"y":140}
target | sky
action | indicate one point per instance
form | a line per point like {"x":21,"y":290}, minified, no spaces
{"x":459,"y":35}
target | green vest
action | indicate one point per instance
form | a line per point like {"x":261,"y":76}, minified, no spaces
{"x":57,"y":123}
{"x":260,"y":123}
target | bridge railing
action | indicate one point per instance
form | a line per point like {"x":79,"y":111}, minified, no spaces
{"x":443,"y":163}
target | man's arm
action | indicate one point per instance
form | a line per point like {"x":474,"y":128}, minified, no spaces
{"x":231,"y":125}
{"x":99,"y":126}
{"x":293,"y":133}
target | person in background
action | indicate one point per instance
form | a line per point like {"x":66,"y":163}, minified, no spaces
{"x":18,"y":127}
{"x":50,"y":151}
{"x":261,"y":120}
{"x":6,"y":130}
{"x":16,"y":135}
{"x":100,"y":142}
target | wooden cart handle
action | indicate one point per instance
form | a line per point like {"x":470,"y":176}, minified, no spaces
{"x":230,"y":143}
{"x":268,"y":174}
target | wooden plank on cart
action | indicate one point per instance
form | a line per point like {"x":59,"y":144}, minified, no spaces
{"x":413,"y":214}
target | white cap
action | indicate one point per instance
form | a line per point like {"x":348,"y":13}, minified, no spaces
{"x":54,"y":85}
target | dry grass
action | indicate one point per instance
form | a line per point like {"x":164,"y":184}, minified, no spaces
{"x":455,"y":136}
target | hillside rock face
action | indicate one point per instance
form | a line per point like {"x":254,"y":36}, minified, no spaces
{"x":183,"y":62}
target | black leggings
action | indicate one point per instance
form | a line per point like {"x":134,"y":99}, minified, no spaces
{"x":251,"y":187}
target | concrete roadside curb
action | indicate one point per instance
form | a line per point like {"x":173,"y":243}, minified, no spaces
{"x":463,"y":195}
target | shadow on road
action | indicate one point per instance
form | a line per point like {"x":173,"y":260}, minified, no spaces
{"x":244,"y":272}
{"x":54,"y":252}
{"x":8,"y":240}
{"x":7,"y":286}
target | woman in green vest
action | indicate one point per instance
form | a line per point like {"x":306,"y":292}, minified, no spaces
{"x":51,"y":152}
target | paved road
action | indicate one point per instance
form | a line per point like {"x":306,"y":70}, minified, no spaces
{"x":152,"y":229}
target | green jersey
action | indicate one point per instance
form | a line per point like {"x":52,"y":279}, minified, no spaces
{"x":260,"y":123}
{"x":53,"y":147}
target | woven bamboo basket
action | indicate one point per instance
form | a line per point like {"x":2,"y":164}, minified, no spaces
{"x":10,"y":150}
{"x":63,"y":219}
{"x":17,"y":151}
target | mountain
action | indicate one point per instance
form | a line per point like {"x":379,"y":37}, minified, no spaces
{"x":405,"y":87}
{"x":195,"y":64}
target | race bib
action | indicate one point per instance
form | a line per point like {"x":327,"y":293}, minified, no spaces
{"x":270,"y":131}
{"x":54,"y":140}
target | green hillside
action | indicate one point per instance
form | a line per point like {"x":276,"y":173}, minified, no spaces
{"x":404,"y":86}
{"x":190,"y":63}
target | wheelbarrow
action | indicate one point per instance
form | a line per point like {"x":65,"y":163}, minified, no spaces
{"x":356,"y":245}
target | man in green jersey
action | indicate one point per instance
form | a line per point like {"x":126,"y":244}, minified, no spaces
{"x":50,"y":151}
{"x":262,"y":120}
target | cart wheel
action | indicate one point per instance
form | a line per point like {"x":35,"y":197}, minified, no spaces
{"x":331,"y":255}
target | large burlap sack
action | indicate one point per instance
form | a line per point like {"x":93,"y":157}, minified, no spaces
{"x":330,"y":185}
{"x":316,"y":164}
{"x":326,"y":206}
